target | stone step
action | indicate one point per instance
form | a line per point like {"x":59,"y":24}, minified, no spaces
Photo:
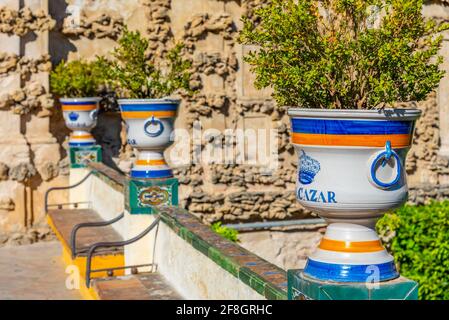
{"x":144,"y":286}
{"x":62,"y":222}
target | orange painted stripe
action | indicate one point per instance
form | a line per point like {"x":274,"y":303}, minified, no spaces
{"x":151,"y":162}
{"x":147,"y":114}
{"x":87,"y":136}
{"x":87,"y":107}
{"x":347,"y":246}
{"x":397,"y":140}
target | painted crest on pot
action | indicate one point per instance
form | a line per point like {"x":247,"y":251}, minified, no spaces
{"x":80,"y":115}
{"x":149,"y":124}
{"x":350,"y":172}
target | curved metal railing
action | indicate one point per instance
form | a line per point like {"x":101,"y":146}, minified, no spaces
{"x":65,"y":188}
{"x":96,"y":246}
{"x":79,"y":226}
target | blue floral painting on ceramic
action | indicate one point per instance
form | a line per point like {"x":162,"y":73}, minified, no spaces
{"x":308,"y":168}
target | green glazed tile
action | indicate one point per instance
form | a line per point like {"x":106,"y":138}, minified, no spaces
{"x":141,"y":194}
{"x":224,"y":261}
{"x":300,"y":286}
{"x":78,"y":154}
{"x":273,"y":293}
{"x":201,"y":246}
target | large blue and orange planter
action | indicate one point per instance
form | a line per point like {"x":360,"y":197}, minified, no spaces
{"x":80,"y":115}
{"x":150,"y":125}
{"x":350,"y":172}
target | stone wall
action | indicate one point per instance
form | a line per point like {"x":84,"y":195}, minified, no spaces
{"x":30,"y":155}
{"x":34,"y":33}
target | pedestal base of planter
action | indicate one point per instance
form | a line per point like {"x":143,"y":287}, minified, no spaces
{"x":145,"y":194}
{"x":80,"y":155}
{"x":300,"y":287}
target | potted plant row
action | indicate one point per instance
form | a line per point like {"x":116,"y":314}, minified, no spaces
{"x":144,"y":89}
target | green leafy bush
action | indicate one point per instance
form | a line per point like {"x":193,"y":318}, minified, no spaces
{"x":134,"y":75}
{"x":77,"y":79}
{"x":418,"y":238}
{"x":225,"y":232}
{"x":353,"y":54}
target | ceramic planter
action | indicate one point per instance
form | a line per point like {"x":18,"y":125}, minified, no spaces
{"x":351,"y":170}
{"x":149,"y":127}
{"x":80,"y":115}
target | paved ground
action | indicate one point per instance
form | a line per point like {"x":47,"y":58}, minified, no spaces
{"x":34,"y":272}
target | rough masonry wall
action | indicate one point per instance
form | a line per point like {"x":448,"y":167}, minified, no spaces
{"x":32,"y":153}
{"x":29,"y":154}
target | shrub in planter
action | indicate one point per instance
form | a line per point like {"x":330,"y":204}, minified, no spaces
{"x":347,"y":63}
{"x":78,"y":84}
{"x":78,"y":78}
{"x":145,"y":87}
{"x":344,"y":54}
{"x":418,"y":236}
{"x":134,"y":76}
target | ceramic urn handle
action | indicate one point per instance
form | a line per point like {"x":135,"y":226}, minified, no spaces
{"x":94,"y":115}
{"x":380,"y":160}
{"x":153,"y":127}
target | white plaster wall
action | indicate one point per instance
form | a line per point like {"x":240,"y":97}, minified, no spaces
{"x":191,"y":273}
{"x":194,"y":275}
{"x":140,"y":252}
{"x":99,"y":196}
{"x":80,"y":193}
{"x":107,"y":202}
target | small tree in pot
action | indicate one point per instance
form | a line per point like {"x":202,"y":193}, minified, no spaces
{"x":346,"y":63}
{"x":144,"y":87}
{"x":78,"y":84}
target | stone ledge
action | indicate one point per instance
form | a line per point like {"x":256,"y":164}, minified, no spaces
{"x":262,"y":276}
{"x":113,"y":178}
{"x":145,"y":286}
{"x":265,"y":278}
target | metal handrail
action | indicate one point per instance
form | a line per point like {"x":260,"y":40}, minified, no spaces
{"x":124,"y":267}
{"x":65,"y":188}
{"x":95,"y":246}
{"x":79,"y":226}
{"x":74,"y":204}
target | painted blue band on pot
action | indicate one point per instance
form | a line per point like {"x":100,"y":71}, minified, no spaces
{"x":81,"y":144}
{"x":80,"y":103}
{"x":350,"y":273}
{"x":153,"y":174}
{"x":348,"y":127}
{"x":149,"y":107}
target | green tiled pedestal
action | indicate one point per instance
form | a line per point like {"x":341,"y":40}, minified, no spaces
{"x":301,"y":287}
{"x":80,"y":155}
{"x":144,"y":194}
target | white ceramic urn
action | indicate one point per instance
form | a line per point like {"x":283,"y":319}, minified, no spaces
{"x":80,"y":115}
{"x":351,"y":170}
{"x":149,"y":127}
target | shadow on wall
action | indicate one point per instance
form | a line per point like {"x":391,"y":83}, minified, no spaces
{"x":59,"y":45}
{"x":107,"y":134}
